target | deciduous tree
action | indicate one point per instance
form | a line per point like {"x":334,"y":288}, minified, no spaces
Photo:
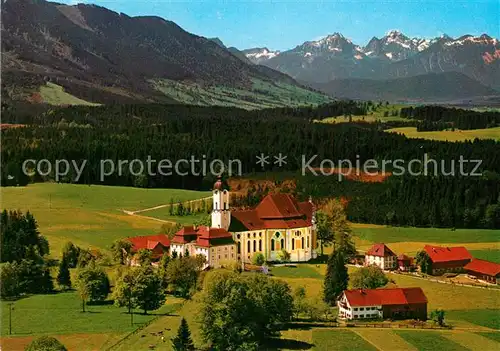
{"x":370,"y":277}
{"x":424,"y":262}
{"x":121,"y":249}
{"x":92,"y":284}
{"x":240,"y":312}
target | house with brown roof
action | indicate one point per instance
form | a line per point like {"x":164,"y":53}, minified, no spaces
{"x":447,"y":259}
{"x":395,"y":303}
{"x":381,"y":256}
{"x":483,"y":270}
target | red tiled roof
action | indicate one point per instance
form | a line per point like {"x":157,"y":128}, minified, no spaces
{"x":278,"y":206}
{"x":185,"y":235}
{"x":277,"y":211}
{"x":380,"y":250}
{"x":381,"y":297}
{"x":403,"y":257}
{"x":204,"y":236}
{"x":447,"y":254}
{"x":149,"y":241}
{"x":483,"y":267}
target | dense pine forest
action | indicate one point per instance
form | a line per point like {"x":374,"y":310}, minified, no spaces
{"x":441,"y":118}
{"x":127,"y":132}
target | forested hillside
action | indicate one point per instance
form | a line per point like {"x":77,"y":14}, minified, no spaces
{"x":175,"y":132}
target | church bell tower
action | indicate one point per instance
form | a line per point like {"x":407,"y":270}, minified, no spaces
{"x":221,"y":215}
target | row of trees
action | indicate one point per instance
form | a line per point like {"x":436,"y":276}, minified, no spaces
{"x":434,"y":117}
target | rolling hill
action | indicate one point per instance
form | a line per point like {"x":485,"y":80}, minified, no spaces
{"x":102,"y":56}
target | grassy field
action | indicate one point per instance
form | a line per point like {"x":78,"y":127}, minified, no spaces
{"x":377,"y":233}
{"x":448,"y":135}
{"x":492,"y":336}
{"x":429,"y":341}
{"x":489,"y":318}
{"x":488,"y":255}
{"x":61,"y":313}
{"x":299,"y":271}
{"x":54,"y":94}
{"x":262,"y":94}
{"x":90,"y":216}
{"x":325,"y":340}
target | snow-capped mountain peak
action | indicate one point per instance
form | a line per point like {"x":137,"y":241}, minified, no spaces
{"x":257,"y":55}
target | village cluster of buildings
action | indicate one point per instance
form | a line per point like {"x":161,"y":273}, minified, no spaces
{"x":443,"y":260}
{"x":280,"y":222}
{"x":410,"y":303}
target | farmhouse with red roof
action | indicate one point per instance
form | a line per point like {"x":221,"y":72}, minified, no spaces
{"x":216,"y":244}
{"x":157,"y":244}
{"x":381,"y":256}
{"x":396,"y":303}
{"x":447,"y":259}
{"x":278,"y":223}
{"x":483,"y":270}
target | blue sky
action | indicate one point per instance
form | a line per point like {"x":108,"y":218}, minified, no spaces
{"x":282,"y":25}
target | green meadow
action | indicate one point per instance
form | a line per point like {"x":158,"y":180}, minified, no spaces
{"x":90,"y":215}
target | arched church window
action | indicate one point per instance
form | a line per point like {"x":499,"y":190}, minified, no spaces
{"x":302,"y":239}
{"x":254,"y":245}
{"x":293,"y":244}
{"x":239,"y":247}
{"x":307,"y":242}
{"x":260,"y":244}
{"x":272,"y":244}
{"x":282,"y":244}
{"x":248,"y":246}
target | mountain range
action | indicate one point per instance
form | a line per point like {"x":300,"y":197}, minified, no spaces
{"x":101,"y":56}
{"x":393,"y":56}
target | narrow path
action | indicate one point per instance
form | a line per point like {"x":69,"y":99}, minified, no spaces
{"x":131,"y":213}
{"x":166,"y":205}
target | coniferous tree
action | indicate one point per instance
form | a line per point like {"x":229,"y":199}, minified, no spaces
{"x":183,"y":341}
{"x":63,"y":277}
{"x":336,"y":277}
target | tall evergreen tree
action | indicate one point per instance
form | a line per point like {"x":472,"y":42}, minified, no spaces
{"x":63,"y":277}
{"x":183,"y":341}
{"x":336,"y":277}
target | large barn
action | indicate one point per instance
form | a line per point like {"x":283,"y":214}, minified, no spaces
{"x":396,"y":303}
{"x":447,"y":259}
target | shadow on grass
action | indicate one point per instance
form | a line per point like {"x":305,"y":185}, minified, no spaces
{"x":308,"y":325}
{"x":287,"y":344}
